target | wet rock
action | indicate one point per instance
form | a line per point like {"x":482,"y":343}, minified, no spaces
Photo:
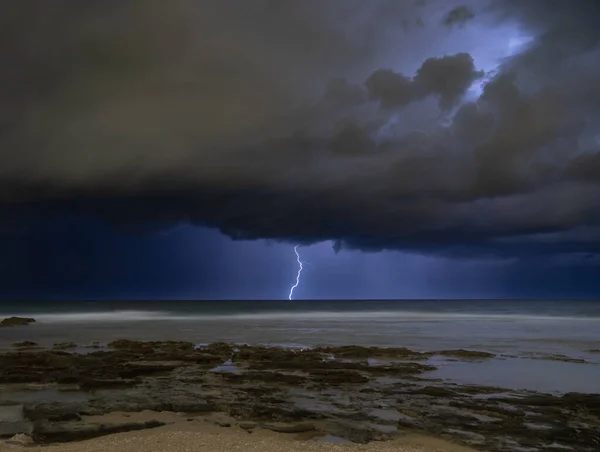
{"x":433,"y":391}
{"x":468,"y":354}
{"x":289,"y":428}
{"x":135,"y":369}
{"x":470,"y":438}
{"x":25,"y":344}
{"x":337,"y":377}
{"x":46,"y":432}
{"x":562,"y":358}
{"x":352,"y":397}
{"x":64,"y":345}
{"x":358,"y":352}
{"x":220,"y":419}
{"x":247,"y":425}
{"x":55,"y":412}
{"x":150,"y":347}
{"x":360,"y":432}
{"x":401,"y":369}
{"x":90,"y":384}
{"x":16,"y":321}
{"x":385,"y":416}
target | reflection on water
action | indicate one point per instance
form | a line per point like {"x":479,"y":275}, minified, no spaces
{"x":522,"y":373}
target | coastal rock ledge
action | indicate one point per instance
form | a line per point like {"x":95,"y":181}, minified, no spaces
{"x":358,"y":394}
{"x":16,"y":321}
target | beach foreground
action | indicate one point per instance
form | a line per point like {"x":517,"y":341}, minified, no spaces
{"x":351,"y":394}
{"x":205,"y":434}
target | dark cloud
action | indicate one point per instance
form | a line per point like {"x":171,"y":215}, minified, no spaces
{"x":390,"y":88}
{"x":280,"y":120}
{"x":458,"y":16}
{"x":447,"y":77}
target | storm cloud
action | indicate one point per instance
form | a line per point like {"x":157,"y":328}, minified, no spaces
{"x":377,"y":125}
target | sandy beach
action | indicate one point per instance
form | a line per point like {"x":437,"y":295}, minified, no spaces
{"x":203,"y":435}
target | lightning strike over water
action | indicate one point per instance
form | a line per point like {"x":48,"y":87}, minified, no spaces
{"x":299,"y":272}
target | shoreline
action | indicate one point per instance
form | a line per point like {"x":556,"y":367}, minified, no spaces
{"x":361,"y":394}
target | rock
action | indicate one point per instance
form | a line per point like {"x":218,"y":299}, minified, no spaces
{"x":221,"y":419}
{"x":64,"y":345}
{"x":21,"y":439}
{"x":135,"y":369}
{"x":361,"y":432}
{"x":460,"y":353}
{"x":468,"y":437}
{"x":401,"y":369}
{"x":16,"y":321}
{"x":434,"y":391}
{"x":358,"y":352}
{"x":25,"y":344}
{"x":12,"y":421}
{"x":55,"y":412}
{"x":332,"y":439}
{"x":90,"y":384}
{"x":46,"y":432}
{"x":267,"y":377}
{"x":247,"y":425}
{"x":337,"y":377}
{"x":281,"y":427}
{"x":349,"y":397}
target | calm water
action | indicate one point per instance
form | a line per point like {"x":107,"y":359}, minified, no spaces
{"x":525,"y":333}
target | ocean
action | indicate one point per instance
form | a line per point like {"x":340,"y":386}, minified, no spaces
{"x":548,"y":346}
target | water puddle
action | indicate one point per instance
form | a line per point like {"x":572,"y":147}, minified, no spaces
{"x":226,"y":368}
{"x":386,"y":415}
{"x":32,"y":395}
{"x":520,"y":374}
{"x":314,"y":405}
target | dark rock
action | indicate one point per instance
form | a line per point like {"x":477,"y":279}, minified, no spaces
{"x":64,"y":345}
{"x":337,"y":377}
{"x":434,"y":391}
{"x":46,"y":432}
{"x":401,"y":369}
{"x":90,"y":384}
{"x":360,"y":432}
{"x":247,"y":425}
{"x":460,"y":353}
{"x":358,"y":352}
{"x":343,"y":395}
{"x":16,"y":321}
{"x":271,"y":377}
{"x":25,"y":344}
{"x":289,"y":428}
{"x":54,"y":411}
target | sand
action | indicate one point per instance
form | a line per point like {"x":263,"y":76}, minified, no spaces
{"x":205,"y":436}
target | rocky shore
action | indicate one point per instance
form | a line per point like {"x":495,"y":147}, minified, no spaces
{"x":16,"y":321}
{"x":357,"y":394}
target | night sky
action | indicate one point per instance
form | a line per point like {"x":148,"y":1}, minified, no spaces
{"x":412,"y":148}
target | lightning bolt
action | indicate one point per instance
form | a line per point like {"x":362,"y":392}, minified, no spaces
{"x":299,"y":272}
